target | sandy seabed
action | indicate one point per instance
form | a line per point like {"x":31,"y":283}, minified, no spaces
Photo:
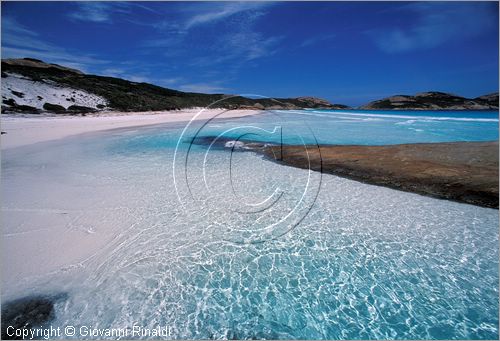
{"x":39,"y":200}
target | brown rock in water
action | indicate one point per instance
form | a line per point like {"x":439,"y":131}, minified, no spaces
{"x":465,"y":172}
{"x":461,"y":171}
{"x":28,"y":312}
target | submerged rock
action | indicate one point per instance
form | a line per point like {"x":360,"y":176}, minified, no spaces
{"x":28,"y":312}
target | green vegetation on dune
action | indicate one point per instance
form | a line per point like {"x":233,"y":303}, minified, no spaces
{"x":124,"y":95}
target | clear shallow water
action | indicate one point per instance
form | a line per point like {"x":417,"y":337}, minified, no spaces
{"x":389,"y":127}
{"x":365,"y":262}
{"x":350,"y":127}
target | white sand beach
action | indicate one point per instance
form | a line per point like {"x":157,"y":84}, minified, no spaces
{"x":21,"y":131}
{"x":37,"y":200}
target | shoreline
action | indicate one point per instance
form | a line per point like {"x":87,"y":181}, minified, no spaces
{"x":20,"y":131}
{"x":465,"y":172}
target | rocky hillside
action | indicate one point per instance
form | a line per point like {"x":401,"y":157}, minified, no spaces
{"x":434,"y":101}
{"x":33,"y":86}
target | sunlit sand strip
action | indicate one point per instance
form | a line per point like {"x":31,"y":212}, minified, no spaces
{"x":20,"y":131}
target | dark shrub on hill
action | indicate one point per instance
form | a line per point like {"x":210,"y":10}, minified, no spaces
{"x":80,"y":109}
{"x":21,"y":109}
{"x":125,"y":95}
{"x":18,"y":94}
{"x":10,"y":102}
{"x":54,"y":107}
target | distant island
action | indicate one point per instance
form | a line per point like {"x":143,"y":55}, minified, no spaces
{"x":34,"y":86}
{"x":434,"y":101}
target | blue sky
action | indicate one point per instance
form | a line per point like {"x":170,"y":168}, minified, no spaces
{"x":346,"y":52}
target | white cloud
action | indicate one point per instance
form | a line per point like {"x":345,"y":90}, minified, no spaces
{"x":99,"y":12}
{"x":192,"y":15}
{"x":216,"y":11}
{"x":15,"y":34}
{"x":320,"y":38}
{"x":91,"y":11}
{"x":170,"y":81}
{"x":112,"y":72}
{"x":12,"y":26}
{"x":239,"y":42}
{"x":437,"y":24}
{"x":139,"y":79}
{"x":203,"y":87}
{"x":249,"y":45}
{"x":238,"y":47}
{"x":162,"y":42}
{"x":18,"y":42}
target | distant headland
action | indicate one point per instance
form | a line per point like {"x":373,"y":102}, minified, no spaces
{"x":34,"y":86}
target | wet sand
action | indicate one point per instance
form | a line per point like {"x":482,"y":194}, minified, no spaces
{"x":466,"y":172}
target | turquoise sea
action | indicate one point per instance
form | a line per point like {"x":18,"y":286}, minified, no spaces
{"x":341,"y":127}
{"x":221,"y":245}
